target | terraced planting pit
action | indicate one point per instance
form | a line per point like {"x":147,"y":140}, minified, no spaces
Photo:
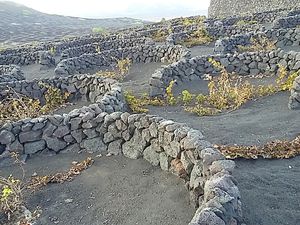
{"x":172,"y":141}
{"x":255,"y":123}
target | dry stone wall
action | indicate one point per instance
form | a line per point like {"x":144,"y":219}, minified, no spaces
{"x":10,"y":73}
{"x":62,"y":44}
{"x":248,"y":63}
{"x":172,"y":146}
{"x":217,"y":31}
{"x":287,"y":22}
{"x":280,"y":37}
{"x":105,"y":95}
{"x":89,"y":88}
{"x":138,"y":54}
{"x":103,"y":46}
{"x":20,"y":58}
{"x":44,"y":58}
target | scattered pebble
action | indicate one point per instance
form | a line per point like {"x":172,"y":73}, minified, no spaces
{"x":69,"y":200}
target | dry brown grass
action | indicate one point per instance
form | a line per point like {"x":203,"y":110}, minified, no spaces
{"x":272,"y":150}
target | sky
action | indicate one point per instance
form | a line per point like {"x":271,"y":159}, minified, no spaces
{"x":142,"y":9}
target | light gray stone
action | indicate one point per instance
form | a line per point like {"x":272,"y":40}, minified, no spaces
{"x":222,"y":165}
{"x":34,"y":147}
{"x":90,"y":133}
{"x":30,"y":136}
{"x":15,"y":147}
{"x":94,"y":145}
{"x":164,"y":161}
{"x":173,"y":149}
{"x":78,"y":135}
{"x":115,"y":147}
{"x":6,"y":137}
{"x":206,"y":217}
{"x":186,"y":162}
{"x":55,"y":144}
{"x":134,"y":148}
{"x":61,"y":131}
{"x":151,"y":156}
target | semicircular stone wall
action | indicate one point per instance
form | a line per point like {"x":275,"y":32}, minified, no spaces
{"x":247,"y":63}
{"x":172,"y":146}
{"x":10,"y":73}
{"x":137,"y":54}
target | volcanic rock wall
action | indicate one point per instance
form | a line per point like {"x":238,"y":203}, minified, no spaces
{"x":221,"y":8}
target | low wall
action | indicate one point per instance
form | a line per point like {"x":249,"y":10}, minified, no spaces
{"x":89,"y":88}
{"x":10,"y":73}
{"x":59,"y":45}
{"x":287,"y":22}
{"x":215,"y":32}
{"x":281,"y":38}
{"x":261,"y":17}
{"x":294,"y":12}
{"x":294,"y":101}
{"x":102,"y":46}
{"x":172,"y":146}
{"x":138,"y":54}
{"x":225,"y":31}
{"x":248,"y":63}
{"x":20,"y":58}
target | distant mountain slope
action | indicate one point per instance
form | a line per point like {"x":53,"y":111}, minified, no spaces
{"x":19,"y":23}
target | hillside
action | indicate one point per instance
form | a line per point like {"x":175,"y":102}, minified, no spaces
{"x":19,"y":23}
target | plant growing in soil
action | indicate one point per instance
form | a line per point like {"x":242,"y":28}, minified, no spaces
{"x":52,"y":50}
{"x":161,"y":34}
{"x":262,"y":44}
{"x":199,"y":37}
{"x":171,"y":100}
{"x":54,"y":98}
{"x":275,"y":149}
{"x":123,"y":66}
{"x":242,"y":23}
{"x":191,"y":21}
{"x":285,"y":80}
{"x":225,"y":93}
{"x":138,"y":105}
{"x":228,"y":92}
{"x":119,"y":72}
{"x":13,"y":190}
{"x":186,"y":97}
{"x":11,"y":196}
{"x":16,"y":106}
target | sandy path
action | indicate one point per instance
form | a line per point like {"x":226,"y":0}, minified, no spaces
{"x":270,"y":191}
{"x":114,"y":191}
